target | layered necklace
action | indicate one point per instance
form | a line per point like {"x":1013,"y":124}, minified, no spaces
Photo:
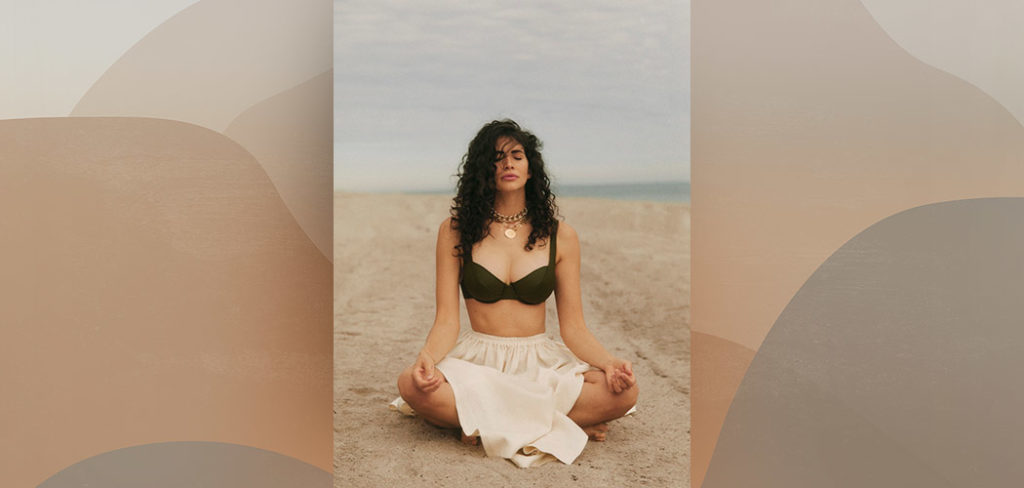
{"x":510,"y":222}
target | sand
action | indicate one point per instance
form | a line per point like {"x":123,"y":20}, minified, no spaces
{"x":635,"y":283}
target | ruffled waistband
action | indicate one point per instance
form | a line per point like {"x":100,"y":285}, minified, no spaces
{"x":527,"y":340}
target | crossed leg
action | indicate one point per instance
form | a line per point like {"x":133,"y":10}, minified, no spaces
{"x":436,"y":407}
{"x":597,"y":405}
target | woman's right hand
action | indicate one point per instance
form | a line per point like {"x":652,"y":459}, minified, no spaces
{"x":424,"y":375}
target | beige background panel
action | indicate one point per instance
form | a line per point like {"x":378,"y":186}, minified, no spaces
{"x":215,"y":59}
{"x":290,"y":135}
{"x":261,"y":69}
{"x":162,"y":292}
{"x":810,"y":124}
{"x":55,"y":50}
{"x":979,"y":42}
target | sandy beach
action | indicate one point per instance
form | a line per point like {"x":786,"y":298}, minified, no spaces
{"x":635,"y":281}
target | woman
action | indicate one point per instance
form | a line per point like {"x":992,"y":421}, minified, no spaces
{"x":527,"y":397}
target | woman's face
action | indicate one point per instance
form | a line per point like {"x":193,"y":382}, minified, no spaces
{"x":511,"y":169}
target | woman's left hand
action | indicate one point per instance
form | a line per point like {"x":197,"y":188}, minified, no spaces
{"x":619,"y":375}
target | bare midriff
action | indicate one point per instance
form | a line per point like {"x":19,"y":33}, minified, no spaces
{"x":506,"y":318}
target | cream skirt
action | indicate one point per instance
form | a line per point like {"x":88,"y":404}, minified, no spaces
{"x":515,"y":392}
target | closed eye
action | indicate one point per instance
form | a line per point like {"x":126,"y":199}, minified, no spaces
{"x":517,"y":154}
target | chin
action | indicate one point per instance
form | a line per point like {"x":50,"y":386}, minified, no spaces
{"x":512,"y":189}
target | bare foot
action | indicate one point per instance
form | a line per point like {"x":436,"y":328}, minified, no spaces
{"x":597,"y":432}
{"x":469,"y":440}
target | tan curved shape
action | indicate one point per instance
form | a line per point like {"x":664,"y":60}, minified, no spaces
{"x":161,"y":292}
{"x":810,"y":124}
{"x":717,"y":370}
{"x":979,"y":42}
{"x":290,"y":134}
{"x":215,"y":59}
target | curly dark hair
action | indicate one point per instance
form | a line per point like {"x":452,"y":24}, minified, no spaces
{"x":474,"y":196}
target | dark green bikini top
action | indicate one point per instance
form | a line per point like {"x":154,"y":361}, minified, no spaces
{"x":532,"y":289}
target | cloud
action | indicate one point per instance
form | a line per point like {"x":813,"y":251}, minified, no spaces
{"x":437,"y":70}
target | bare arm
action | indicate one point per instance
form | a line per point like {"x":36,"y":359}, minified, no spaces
{"x":575,"y":334}
{"x":445,"y":330}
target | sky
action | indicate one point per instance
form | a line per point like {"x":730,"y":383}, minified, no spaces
{"x":606,"y":87}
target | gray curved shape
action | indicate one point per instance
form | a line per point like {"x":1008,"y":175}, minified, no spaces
{"x":896,"y":364}
{"x":193,"y":464}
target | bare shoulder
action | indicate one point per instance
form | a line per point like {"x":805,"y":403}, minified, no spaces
{"x":568,"y":241}
{"x":567,"y":234}
{"x":447,"y":230}
{"x":447,"y":235}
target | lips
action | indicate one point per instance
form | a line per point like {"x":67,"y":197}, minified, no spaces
{"x":509,"y":177}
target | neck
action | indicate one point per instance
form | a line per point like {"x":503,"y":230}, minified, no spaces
{"x":510,"y":203}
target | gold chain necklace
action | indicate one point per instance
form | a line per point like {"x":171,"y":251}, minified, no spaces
{"x":510,"y":222}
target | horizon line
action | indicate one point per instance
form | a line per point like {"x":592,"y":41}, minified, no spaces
{"x":448,"y":189}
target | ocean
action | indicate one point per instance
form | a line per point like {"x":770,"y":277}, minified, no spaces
{"x":675,"y":192}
